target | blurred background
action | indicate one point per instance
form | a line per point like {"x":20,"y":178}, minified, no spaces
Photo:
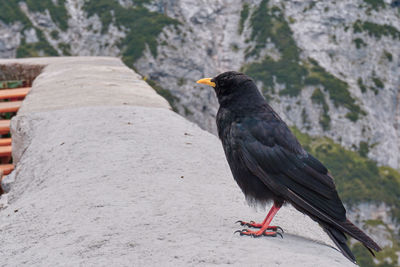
{"x":331,"y":69}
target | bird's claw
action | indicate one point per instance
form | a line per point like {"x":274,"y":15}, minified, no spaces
{"x":253,"y":224}
{"x":277,"y":233}
{"x":242,"y":223}
{"x":257,"y":234}
{"x":241,"y":232}
{"x":276,"y":228}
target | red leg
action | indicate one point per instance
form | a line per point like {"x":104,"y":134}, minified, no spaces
{"x":264,"y":226}
{"x":260,"y":225}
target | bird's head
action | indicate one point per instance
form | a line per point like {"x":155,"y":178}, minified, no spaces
{"x":229,"y":83}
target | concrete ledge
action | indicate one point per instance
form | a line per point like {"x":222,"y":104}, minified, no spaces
{"x":109,"y":185}
{"x":86,"y":81}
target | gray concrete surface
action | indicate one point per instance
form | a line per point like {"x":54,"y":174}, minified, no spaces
{"x":126,"y":185}
{"x":73,"y":82}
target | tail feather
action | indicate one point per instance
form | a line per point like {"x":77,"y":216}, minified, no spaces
{"x":358,"y":234}
{"x":340,"y":240}
{"x":334,"y":228}
{"x":338,"y":237}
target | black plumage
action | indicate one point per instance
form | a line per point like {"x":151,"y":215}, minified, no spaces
{"x":268,"y":162}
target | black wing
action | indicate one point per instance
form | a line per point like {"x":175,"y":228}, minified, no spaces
{"x":272,"y":153}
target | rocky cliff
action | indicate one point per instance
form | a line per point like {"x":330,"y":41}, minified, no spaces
{"x":330,"y":68}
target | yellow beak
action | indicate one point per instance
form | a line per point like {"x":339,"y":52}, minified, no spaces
{"x":206,"y":81}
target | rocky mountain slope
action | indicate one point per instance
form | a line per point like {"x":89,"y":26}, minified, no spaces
{"x":330,"y":69}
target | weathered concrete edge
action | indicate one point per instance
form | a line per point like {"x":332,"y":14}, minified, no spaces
{"x":74,"y":82}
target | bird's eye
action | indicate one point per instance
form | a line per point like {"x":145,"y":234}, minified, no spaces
{"x":222,"y":82}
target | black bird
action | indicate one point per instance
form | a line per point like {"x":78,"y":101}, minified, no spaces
{"x":395,"y":3}
{"x":268,"y":163}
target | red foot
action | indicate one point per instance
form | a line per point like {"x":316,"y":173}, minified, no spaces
{"x":264,"y":226}
{"x":253,"y":224}
{"x":258,"y":233}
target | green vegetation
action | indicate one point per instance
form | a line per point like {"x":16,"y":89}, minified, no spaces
{"x":65,"y":48}
{"x":359,"y":43}
{"x":363,"y":149}
{"x":360,"y":83}
{"x":375,"y":4}
{"x":365,"y":259}
{"x":244,"y":14}
{"x":319,"y":98}
{"x":187,"y":111}
{"x":358,"y":179}
{"x":378,"y":83}
{"x":142,"y":25}
{"x":54,"y":34}
{"x":388,"y":56}
{"x":269,"y":24}
{"x":41,"y":48}
{"x":376,"y":30}
{"x":181,"y":81}
{"x":164,"y":93}
{"x":325,"y":121}
{"x":304,"y":117}
{"x":10,"y":12}
{"x":338,"y":90}
{"x":57,"y":12}
{"x":234,"y":47}
{"x":310,"y":6}
{"x":374,"y":89}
